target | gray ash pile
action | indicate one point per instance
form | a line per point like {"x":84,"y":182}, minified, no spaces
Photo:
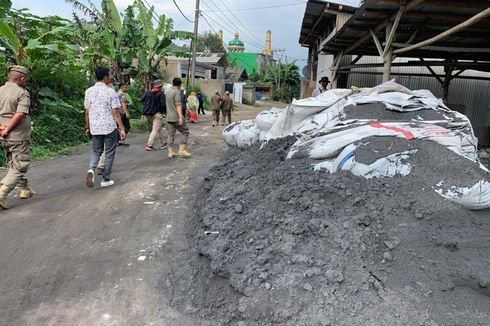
{"x":304,"y":247}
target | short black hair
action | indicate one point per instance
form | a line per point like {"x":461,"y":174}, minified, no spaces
{"x":176,"y":81}
{"x":101,"y":72}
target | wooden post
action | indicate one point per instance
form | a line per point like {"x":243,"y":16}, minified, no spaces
{"x":447,"y":81}
{"x":337,"y":60}
{"x":388,"y":55}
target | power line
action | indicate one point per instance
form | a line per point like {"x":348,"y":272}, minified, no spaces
{"x":267,"y":7}
{"x":224,"y":44}
{"x":227,"y":29}
{"x":249,"y":39}
{"x":152,"y":12}
{"x":190,"y":21}
{"x":239,"y":21}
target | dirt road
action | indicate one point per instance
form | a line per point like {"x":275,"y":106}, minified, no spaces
{"x":116,"y":256}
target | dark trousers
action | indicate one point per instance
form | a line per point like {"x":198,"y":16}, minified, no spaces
{"x":227,"y":114}
{"x":126,"y":123}
{"x":110,"y":143}
{"x":201,"y":109}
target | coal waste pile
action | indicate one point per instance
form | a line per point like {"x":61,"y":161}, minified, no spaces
{"x":358,"y":207}
{"x":306,"y":247}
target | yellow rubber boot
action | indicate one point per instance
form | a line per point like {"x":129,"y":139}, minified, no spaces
{"x":26,"y":193}
{"x":183,"y":152}
{"x":3,"y":197}
{"x":171,"y":153}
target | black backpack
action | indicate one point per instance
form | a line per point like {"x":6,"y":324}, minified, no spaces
{"x":150,"y":105}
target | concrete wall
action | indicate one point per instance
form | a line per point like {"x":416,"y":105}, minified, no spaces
{"x":325,"y":62}
{"x":248,"y":94}
{"x":172,"y":70}
{"x":210,"y":86}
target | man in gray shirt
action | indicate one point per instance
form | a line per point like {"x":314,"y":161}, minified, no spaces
{"x":175,"y":119}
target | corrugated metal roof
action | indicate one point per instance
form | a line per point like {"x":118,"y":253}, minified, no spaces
{"x":429,"y":18}
{"x":318,"y":14}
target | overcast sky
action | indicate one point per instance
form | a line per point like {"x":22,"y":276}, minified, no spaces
{"x":284,"y":20}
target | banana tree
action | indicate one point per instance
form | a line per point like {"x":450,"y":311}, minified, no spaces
{"x":157,"y":43}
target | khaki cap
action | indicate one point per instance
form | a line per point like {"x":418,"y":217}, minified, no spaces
{"x":20,"y":69}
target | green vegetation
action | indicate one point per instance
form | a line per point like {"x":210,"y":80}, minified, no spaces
{"x":62,"y":55}
{"x":284,"y":79}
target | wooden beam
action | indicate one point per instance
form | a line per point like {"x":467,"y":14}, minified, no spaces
{"x":473,"y":20}
{"x":413,"y":36}
{"x":317,"y":21}
{"x":443,"y":3}
{"x":356,"y":59}
{"x":432,"y":72}
{"x":411,"y":5}
{"x":376,"y":41}
{"x":450,"y":49}
{"x":458,"y":73}
{"x":393,"y":28}
{"x":405,"y":74}
{"x":482,"y":66}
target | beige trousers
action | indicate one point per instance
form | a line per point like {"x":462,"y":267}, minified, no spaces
{"x":17,"y":158}
{"x":156,"y":130}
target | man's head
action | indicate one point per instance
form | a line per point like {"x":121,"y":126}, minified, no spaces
{"x":227,"y":93}
{"x":217,"y":92}
{"x":177,"y":82}
{"x":18,"y":75}
{"x":157,"y":83}
{"x":123,"y":87}
{"x":324,"y":82}
{"x":102,"y":75}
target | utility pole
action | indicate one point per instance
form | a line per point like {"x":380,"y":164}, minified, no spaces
{"x":196,"y":30}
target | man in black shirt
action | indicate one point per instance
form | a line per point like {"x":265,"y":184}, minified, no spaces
{"x":155,"y":108}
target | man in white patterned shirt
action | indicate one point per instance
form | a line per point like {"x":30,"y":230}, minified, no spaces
{"x":103,"y":123}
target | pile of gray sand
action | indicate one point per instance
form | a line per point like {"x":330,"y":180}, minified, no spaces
{"x":293,"y":246}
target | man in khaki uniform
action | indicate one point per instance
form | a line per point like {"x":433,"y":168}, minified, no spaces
{"x":15,"y":133}
{"x":216,"y":107}
{"x":175,"y":120}
{"x":227,"y":107}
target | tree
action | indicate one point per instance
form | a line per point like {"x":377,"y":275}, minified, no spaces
{"x":285,"y":79}
{"x":209,"y":42}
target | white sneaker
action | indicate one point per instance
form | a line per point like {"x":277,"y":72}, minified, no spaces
{"x":104,"y":184}
{"x":89,"y":181}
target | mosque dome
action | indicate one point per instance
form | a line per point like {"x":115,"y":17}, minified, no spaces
{"x":236,"y":45}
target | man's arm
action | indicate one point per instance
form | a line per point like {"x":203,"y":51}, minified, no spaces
{"x":14,"y":122}
{"x":125,"y":108}
{"x":179,"y":113}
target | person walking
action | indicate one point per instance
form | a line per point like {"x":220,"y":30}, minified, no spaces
{"x":227,"y":107}
{"x":175,"y":120}
{"x":216,"y":107}
{"x":201,"y":104}
{"x":124,"y":110}
{"x":103,"y":123}
{"x":184,"y":103}
{"x":156,"y":109}
{"x":15,"y":133}
{"x":323,"y":87}
{"x":100,"y":166}
{"x":192,"y":105}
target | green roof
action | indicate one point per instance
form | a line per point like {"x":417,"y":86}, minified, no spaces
{"x":243,"y":60}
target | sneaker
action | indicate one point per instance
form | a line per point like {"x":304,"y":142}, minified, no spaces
{"x":100,"y":171}
{"x":163,"y":146}
{"x":90,"y":178}
{"x":3,"y":203}
{"x":106,"y":183}
{"x":149,"y":148}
